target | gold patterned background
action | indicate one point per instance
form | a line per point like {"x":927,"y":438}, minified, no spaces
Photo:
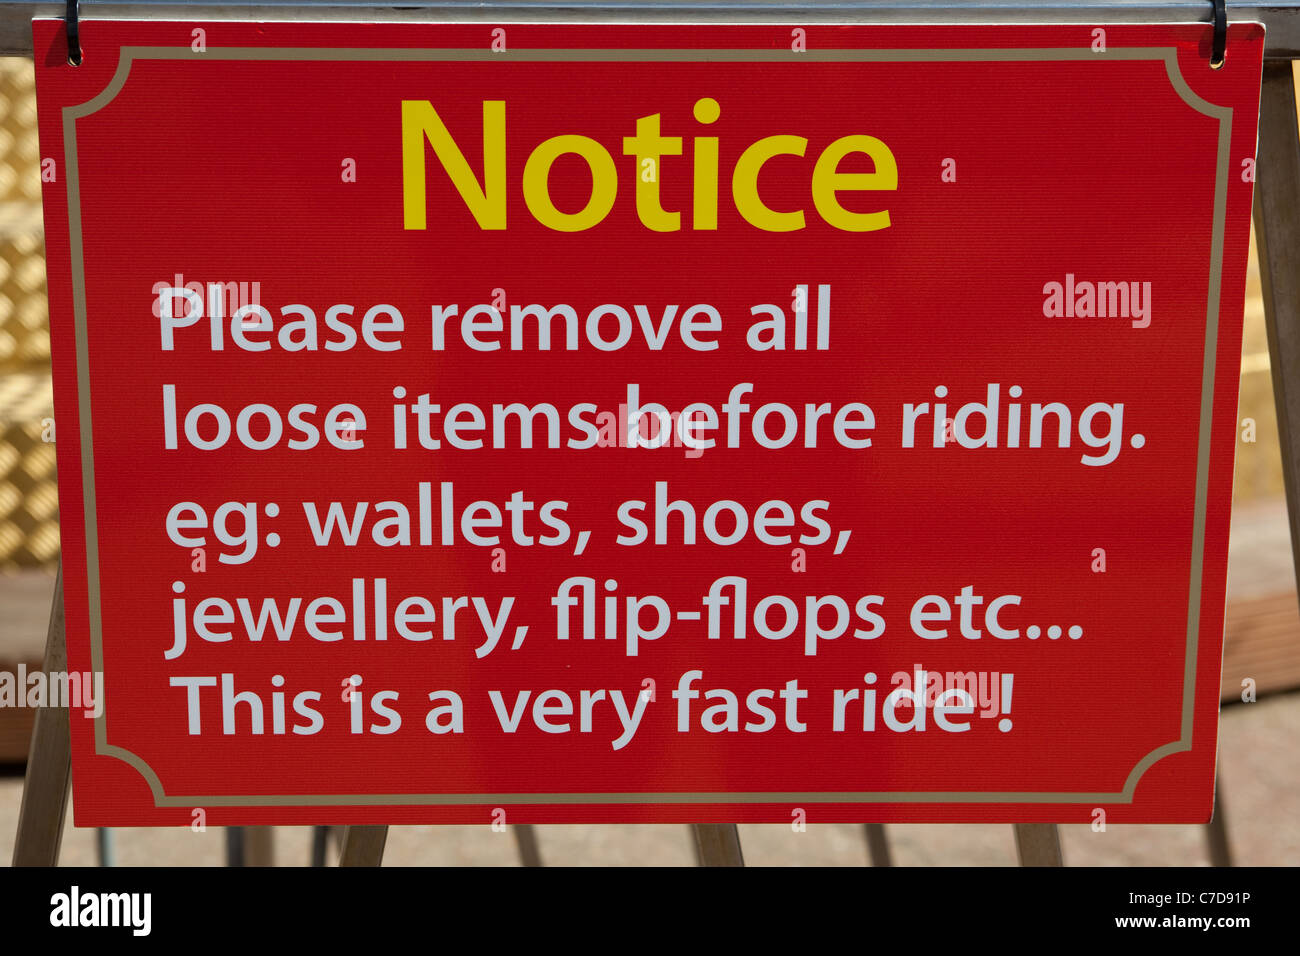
{"x":29,"y":514}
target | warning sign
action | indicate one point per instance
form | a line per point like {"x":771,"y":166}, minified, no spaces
{"x":645,"y":423}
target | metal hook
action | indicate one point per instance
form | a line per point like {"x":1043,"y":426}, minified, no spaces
{"x":74,"y":39}
{"x":1218,"y":51}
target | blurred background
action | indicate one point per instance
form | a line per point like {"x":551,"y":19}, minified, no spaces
{"x":1259,"y":773}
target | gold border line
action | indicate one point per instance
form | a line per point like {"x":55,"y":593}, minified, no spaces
{"x":1168,"y":55}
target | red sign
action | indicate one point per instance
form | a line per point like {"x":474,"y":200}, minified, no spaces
{"x":547,"y":423}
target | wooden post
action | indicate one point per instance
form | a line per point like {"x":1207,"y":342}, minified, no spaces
{"x":259,"y":846}
{"x":320,"y":838}
{"x":363,"y":846}
{"x":1277,"y":236}
{"x":717,"y":844}
{"x":234,"y":846}
{"x":1038,"y":844}
{"x":1216,"y":831}
{"x":49,"y":760}
{"x":529,"y":852}
{"x":877,"y":844}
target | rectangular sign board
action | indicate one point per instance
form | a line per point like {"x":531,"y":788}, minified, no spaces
{"x":595,"y":423}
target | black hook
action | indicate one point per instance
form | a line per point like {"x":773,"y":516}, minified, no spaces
{"x":1218,"y":51}
{"x":74,"y":40}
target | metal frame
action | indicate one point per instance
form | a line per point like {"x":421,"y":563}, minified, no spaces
{"x":1281,"y":19}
